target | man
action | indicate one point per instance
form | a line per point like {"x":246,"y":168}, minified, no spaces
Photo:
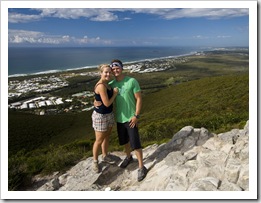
{"x":128,"y":107}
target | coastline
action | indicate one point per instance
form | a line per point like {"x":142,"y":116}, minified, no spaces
{"x":130,"y":62}
{"x":93,"y":68}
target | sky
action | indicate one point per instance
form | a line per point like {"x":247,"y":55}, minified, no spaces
{"x":88,"y":27}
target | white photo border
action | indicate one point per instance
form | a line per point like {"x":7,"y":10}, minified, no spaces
{"x":251,"y":194}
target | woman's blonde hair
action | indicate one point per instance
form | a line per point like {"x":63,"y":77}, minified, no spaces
{"x":102,"y":66}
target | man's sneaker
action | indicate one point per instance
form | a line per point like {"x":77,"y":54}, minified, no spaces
{"x":126,"y":162}
{"x":142,"y":172}
{"x":108,"y":159}
{"x":95,"y":166}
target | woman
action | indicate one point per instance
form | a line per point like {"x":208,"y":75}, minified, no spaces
{"x":103,"y":117}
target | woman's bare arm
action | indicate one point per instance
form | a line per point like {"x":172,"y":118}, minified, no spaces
{"x":102,"y":90}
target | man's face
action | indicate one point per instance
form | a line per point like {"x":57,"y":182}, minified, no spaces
{"x":116,"y":71}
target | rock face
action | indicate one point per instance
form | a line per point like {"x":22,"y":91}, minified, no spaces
{"x":193,"y":160}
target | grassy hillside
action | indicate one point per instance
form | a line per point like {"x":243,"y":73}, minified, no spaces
{"x":29,"y":132}
{"x":216,"y":103}
{"x":43,"y":144}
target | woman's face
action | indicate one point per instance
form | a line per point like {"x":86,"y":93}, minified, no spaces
{"x":106,"y":74}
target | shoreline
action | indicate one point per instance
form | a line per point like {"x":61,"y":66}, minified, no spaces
{"x":94,"y":67}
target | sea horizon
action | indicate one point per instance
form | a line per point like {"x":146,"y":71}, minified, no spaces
{"x":24,"y":61}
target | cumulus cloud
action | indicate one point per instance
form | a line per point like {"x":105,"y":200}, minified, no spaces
{"x":22,"y":36}
{"x":70,"y":13}
{"x":210,"y":13}
{"x":103,"y":14}
{"x":22,"y":18}
{"x":106,"y":15}
{"x":65,"y":13}
{"x":33,"y":37}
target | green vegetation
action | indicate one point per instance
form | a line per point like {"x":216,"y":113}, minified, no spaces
{"x":216,"y":103}
{"x":209,"y":91}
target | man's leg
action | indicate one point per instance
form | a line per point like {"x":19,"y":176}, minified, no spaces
{"x":142,"y":171}
{"x":128,"y":149}
{"x":139,"y":155}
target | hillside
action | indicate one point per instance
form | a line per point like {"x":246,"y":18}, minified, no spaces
{"x":213,"y":102}
{"x":44,"y":144}
{"x":217,"y":103}
{"x":29,"y":132}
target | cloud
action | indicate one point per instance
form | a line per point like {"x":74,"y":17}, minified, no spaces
{"x":22,"y":18}
{"x":76,"y":13}
{"x":22,"y":36}
{"x":200,"y":37}
{"x":223,"y":36}
{"x":209,"y":13}
{"x":103,"y":14}
{"x":33,"y":37}
{"x":63,"y":13}
{"x":86,"y":40}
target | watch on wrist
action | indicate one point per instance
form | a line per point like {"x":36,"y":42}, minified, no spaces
{"x":137,"y":116}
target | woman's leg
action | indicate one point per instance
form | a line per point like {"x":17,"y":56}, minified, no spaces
{"x":105,"y":143}
{"x":97,"y":144}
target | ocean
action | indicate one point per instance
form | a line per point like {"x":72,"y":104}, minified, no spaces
{"x":29,"y":61}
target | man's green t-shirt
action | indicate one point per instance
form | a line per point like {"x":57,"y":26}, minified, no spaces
{"x":125,"y":100}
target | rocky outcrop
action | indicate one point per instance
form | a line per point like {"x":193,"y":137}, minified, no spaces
{"x":193,"y":160}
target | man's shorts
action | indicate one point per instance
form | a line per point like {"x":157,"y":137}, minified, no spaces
{"x":127,"y":134}
{"x":101,"y":122}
